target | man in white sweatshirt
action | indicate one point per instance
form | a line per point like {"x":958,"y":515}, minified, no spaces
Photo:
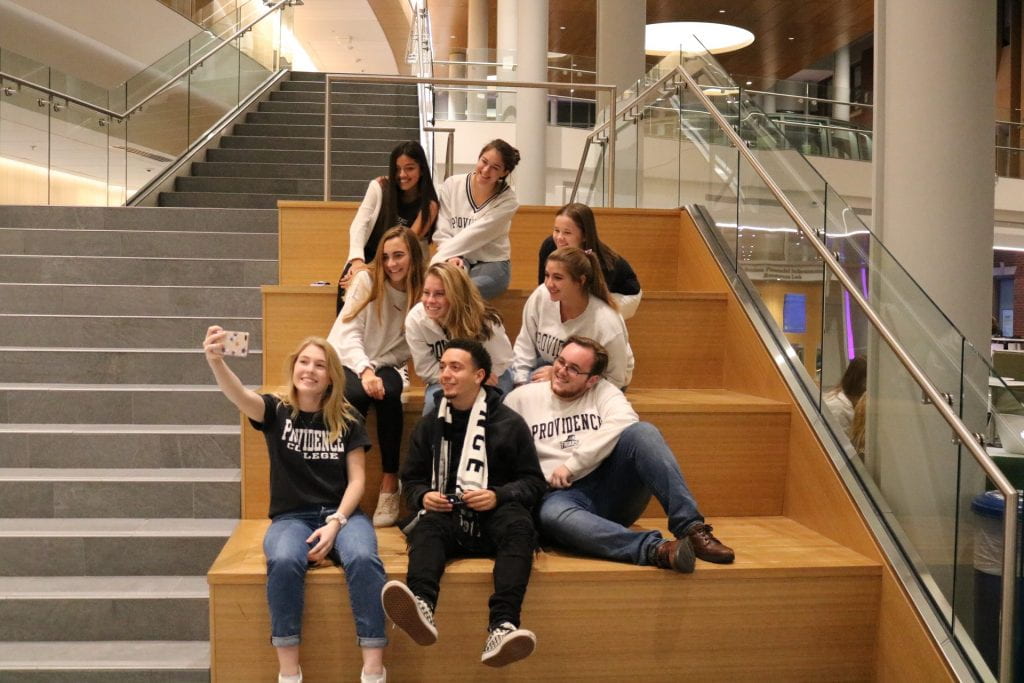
{"x":602,"y":465}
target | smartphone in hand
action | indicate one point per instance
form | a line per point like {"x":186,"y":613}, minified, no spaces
{"x":236,"y":343}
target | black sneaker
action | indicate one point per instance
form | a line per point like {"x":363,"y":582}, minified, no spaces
{"x":409,"y":612}
{"x":507,"y":644}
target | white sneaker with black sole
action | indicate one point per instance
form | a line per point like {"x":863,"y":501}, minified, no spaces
{"x":409,"y":612}
{"x":507,"y":644}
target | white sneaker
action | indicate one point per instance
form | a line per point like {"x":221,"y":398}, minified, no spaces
{"x":409,"y":612}
{"x":386,"y":513}
{"x":507,"y":644}
{"x":373,"y":678}
{"x":297,"y":678}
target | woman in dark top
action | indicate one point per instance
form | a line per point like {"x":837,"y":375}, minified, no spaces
{"x":575,"y":227}
{"x":316,"y":443}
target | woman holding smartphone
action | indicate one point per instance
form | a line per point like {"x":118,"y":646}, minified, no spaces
{"x":475,"y":217}
{"x":316,"y":443}
{"x":369,"y":337}
{"x":452,"y":308}
{"x":406,"y":197}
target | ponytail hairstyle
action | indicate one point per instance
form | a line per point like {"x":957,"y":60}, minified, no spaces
{"x":379,"y":278}
{"x":584,"y":268}
{"x":425,"y":191}
{"x":337,"y":412}
{"x":583,"y":217}
{"x":469,"y":316}
{"x":509,"y":157}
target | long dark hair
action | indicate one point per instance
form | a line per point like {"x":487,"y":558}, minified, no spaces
{"x":583,"y":217}
{"x":583,"y":267}
{"x":424,"y":189}
{"x":509,"y":157}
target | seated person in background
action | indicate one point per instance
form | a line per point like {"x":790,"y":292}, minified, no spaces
{"x":451,"y":307}
{"x":472,"y":476}
{"x":475,"y":217}
{"x":316,"y":443}
{"x":369,"y":337}
{"x":575,"y":227}
{"x":572,"y":301}
{"x":603,"y":464}
{"x":840,"y":399}
{"x":405,"y":197}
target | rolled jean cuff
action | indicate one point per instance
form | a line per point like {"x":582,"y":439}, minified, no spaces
{"x":285,"y":641}
{"x":372,"y":642}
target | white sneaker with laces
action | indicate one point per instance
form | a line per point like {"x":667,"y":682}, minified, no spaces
{"x":507,"y":644}
{"x":409,"y":612}
{"x":382,"y":677}
{"x":386,"y":513}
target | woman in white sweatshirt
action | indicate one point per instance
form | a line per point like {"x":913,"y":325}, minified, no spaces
{"x":370,"y":339}
{"x":475,"y":217}
{"x":573,"y":300}
{"x":452,"y":308}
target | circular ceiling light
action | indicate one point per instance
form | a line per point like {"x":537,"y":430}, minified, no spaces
{"x":695,"y":36}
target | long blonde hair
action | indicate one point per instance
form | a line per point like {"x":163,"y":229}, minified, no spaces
{"x":583,"y":267}
{"x":379,"y":277}
{"x":337,"y":412}
{"x":469,"y":316}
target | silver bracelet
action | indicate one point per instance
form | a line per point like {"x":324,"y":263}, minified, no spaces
{"x":341,"y":519}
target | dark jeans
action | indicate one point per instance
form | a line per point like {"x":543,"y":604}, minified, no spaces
{"x":389,"y":413}
{"x":508,"y":533}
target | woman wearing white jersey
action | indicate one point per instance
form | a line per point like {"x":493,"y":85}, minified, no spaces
{"x":475,"y":217}
{"x":573,"y":300}
{"x":452,"y":308}
{"x":370,"y":339}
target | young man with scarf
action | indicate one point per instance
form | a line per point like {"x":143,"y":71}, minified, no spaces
{"x":603,"y":464}
{"x":472,"y":476}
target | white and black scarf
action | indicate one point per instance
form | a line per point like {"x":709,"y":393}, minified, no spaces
{"x":472,"y":467}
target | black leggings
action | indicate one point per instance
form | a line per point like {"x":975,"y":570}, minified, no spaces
{"x":389,"y":413}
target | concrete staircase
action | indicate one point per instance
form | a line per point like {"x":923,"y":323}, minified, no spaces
{"x":119,"y":473}
{"x":278,"y":152}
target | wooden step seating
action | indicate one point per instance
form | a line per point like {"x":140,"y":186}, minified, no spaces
{"x":794,"y":606}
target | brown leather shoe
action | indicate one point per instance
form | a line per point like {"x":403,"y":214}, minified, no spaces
{"x":676,"y":555}
{"x":709,"y":548}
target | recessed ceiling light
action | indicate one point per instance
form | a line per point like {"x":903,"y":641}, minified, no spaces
{"x":791,"y":38}
{"x":695,"y":36}
{"x":561,"y":28}
{"x":750,"y":82}
{"x":721,"y":11}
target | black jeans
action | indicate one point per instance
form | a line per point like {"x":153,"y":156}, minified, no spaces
{"x":389,"y":413}
{"x":509,"y":535}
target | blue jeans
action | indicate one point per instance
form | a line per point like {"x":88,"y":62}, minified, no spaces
{"x":355,"y":546}
{"x":491,"y":277}
{"x":433,"y":391}
{"x":592,"y":516}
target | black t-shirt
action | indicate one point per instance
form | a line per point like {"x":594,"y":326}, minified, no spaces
{"x":455,"y":434}
{"x":407,"y":212}
{"x":305,"y":470}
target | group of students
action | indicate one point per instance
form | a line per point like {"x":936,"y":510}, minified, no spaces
{"x":488,"y":466}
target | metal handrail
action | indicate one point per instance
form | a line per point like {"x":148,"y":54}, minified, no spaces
{"x":449,"y":151}
{"x":963,"y":434}
{"x":544,"y":85}
{"x":160,"y":90}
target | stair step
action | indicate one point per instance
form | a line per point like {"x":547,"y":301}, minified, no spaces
{"x":280,"y":169}
{"x":138,"y":243}
{"x":107,"y":404}
{"x":308,"y":144}
{"x":69,"y":492}
{"x":110,"y":546}
{"x":118,"y":365}
{"x":107,"y":331}
{"x":338,"y":132}
{"x":138,"y":218}
{"x":144,"y":300}
{"x":283,"y":186}
{"x":102,"y":607}
{"x":118,"y":445}
{"x":266,"y":201}
{"x":350,"y":88}
{"x":784,"y":579}
{"x":339,"y":108}
{"x":354,"y":98}
{"x":376,"y":161}
{"x":381,"y":119}
{"x":122,"y":270}
{"x":121,"y":661}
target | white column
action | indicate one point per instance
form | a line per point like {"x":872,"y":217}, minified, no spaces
{"x":620,"y":42}
{"x":457,"y":98}
{"x":476,"y":51}
{"x":841,"y":83}
{"x":505,"y":50}
{"x":532,"y":115}
{"x":933,"y":209}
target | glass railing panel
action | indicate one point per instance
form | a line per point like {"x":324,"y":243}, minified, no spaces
{"x":659,"y":167}
{"x":592,"y":188}
{"x":213,"y":90}
{"x":117,"y":164}
{"x":24,"y":145}
{"x":78,"y":157}
{"x":158,"y":134}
